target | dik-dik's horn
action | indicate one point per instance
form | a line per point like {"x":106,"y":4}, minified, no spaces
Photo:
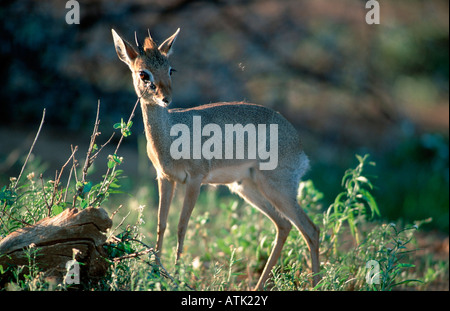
{"x":149,"y":35}
{"x":139,"y":44}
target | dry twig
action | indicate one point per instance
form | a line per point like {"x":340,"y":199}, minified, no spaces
{"x":31,"y":149}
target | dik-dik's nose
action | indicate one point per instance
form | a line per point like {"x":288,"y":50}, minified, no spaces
{"x":166,"y":100}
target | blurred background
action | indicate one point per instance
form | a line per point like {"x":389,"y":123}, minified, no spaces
{"x":348,"y":87}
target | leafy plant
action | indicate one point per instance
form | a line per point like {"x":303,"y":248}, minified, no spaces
{"x":24,"y":204}
{"x":125,"y":128}
{"x":344,"y":264}
{"x":352,"y":205}
{"x":391,"y":264}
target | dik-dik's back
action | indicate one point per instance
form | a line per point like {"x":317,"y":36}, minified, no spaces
{"x":227,"y":141}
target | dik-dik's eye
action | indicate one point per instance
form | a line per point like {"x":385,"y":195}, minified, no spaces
{"x":145,"y":77}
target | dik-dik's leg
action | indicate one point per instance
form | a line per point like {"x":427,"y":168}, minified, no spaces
{"x":249,"y":191}
{"x":166,"y":190}
{"x":190,"y":198}
{"x":284,"y":199}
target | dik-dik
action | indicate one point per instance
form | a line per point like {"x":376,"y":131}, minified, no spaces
{"x":208,"y":158}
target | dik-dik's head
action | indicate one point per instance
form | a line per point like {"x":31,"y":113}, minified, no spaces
{"x":149,"y":65}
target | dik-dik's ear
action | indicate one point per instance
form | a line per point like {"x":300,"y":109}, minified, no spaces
{"x":166,"y":47}
{"x":124,"y":50}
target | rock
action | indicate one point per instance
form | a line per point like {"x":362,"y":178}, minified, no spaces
{"x":57,"y":240}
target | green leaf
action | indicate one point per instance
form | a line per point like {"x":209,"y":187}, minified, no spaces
{"x":83,"y":203}
{"x":406,"y":265}
{"x":362,"y":159}
{"x":126,"y":132}
{"x":371,"y":202}
{"x":338,"y":199}
{"x":405,"y":282}
{"x":118,"y":160}
{"x":117,"y":126}
{"x":57,"y":209}
{"x":352,"y":224}
{"x":114,"y":185}
{"x":87,"y":187}
{"x":362,"y":179}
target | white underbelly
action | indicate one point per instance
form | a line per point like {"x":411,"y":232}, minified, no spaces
{"x":229,"y":174}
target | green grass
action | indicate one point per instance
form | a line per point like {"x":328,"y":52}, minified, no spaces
{"x":227,"y":241}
